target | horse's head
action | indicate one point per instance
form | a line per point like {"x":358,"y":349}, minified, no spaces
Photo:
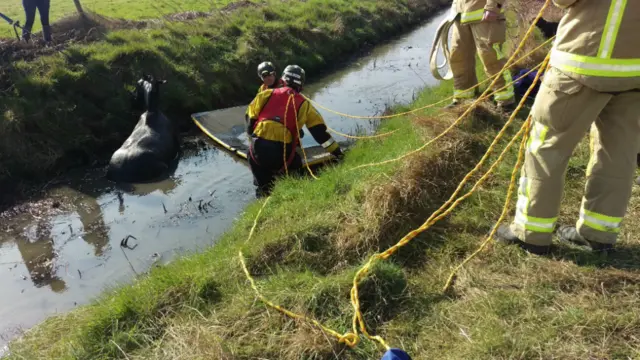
{"x":147,"y":94}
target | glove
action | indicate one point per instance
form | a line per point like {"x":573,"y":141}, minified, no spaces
{"x":301,"y":134}
{"x":250,"y":124}
{"x":338,"y":154}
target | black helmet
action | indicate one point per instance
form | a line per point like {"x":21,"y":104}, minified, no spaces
{"x":294,"y":76}
{"x":266,"y":68}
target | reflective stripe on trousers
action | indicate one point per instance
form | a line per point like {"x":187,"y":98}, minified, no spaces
{"x":599,"y":222}
{"x":463,"y":94}
{"x":509,"y":92}
{"x":531,"y":223}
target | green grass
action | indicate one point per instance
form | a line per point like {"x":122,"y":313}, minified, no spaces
{"x":120,"y":9}
{"x":314,"y":235}
{"x":60,"y":111}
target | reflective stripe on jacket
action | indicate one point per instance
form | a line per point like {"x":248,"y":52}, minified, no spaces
{"x":597,"y":43}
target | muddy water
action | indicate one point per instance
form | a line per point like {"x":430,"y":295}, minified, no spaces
{"x":64,"y":249}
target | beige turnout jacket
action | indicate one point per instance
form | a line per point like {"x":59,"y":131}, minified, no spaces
{"x":598,"y":43}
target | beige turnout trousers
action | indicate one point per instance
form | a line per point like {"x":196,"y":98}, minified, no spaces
{"x":563,"y":112}
{"x":487,"y":39}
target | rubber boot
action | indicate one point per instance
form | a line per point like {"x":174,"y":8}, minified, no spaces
{"x":506,"y":107}
{"x":26,"y":35}
{"x":46,"y":33}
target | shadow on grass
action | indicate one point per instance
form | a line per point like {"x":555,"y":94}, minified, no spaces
{"x":625,"y":256}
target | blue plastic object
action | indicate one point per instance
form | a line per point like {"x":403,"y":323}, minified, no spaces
{"x":523,"y":84}
{"x":395,"y":354}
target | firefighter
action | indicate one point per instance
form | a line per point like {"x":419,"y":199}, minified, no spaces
{"x":479,"y":26}
{"x":594,"y":77}
{"x":267,"y":73}
{"x":273,"y":131}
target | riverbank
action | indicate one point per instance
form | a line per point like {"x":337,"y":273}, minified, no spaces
{"x":314,"y":235}
{"x":61,"y":111}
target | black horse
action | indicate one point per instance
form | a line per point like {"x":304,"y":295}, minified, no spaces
{"x":152,"y":149}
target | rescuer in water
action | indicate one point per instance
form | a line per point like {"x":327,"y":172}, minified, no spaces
{"x":267,"y":73}
{"x":271,"y":123}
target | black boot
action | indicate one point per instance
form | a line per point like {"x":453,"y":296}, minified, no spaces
{"x":46,"y":33}
{"x":506,"y":236}
{"x":26,"y":35}
{"x":570,"y":235}
{"x":453,"y":104}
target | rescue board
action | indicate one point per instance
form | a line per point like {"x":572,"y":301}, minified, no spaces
{"x":227,"y":128}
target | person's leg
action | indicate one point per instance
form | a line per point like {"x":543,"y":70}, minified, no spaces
{"x":489,"y":39}
{"x":43,"y":9}
{"x":611,"y":169}
{"x":30,"y":15}
{"x":263,"y":176}
{"x":562,"y":113}
{"x":463,"y":61}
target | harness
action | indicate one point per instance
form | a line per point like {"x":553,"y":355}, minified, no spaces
{"x":282,"y":99}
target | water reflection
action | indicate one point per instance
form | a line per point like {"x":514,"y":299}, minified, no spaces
{"x":36,"y":247}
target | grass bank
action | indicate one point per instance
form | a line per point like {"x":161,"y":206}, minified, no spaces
{"x":314,"y":235}
{"x":65,"y":110}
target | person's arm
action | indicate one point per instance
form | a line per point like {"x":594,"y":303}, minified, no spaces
{"x":254,"y":109}
{"x":310,"y":117}
{"x":563,"y":4}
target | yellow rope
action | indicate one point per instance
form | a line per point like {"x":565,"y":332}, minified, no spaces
{"x":255,"y":221}
{"x":349,"y":339}
{"x":361,"y":137}
{"x":436,"y":103}
{"x":446,"y":131}
{"x":304,"y":153}
{"x":524,"y":129}
{"x":505,"y":208}
{"x":355,"y":301}
{"x":284,"y":136}
{"x":352,"y":338}
{"x":437,"y":137}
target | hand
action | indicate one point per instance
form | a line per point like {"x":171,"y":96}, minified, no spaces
{"x":489,"y":16}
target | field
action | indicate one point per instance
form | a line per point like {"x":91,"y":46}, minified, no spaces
{"x":313,"y":236}
{"x":119,"y":9}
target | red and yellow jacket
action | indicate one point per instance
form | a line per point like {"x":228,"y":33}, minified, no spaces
{"x":270,"y":124}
